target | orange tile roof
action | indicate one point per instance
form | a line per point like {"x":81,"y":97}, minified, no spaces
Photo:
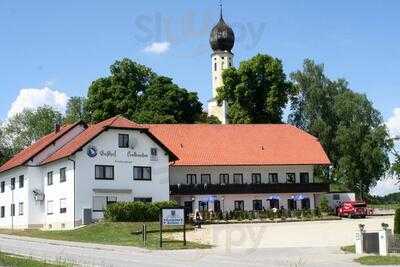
{"x":240,"y":144}
{"x":25,"y":155}
{"x":200,"y":144}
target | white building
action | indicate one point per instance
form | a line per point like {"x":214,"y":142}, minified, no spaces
{"x":67,"y":178}
{"x":243,"y":167}
{"x":78,"y":168}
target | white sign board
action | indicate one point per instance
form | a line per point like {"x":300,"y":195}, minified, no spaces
{"x":173,"y":216}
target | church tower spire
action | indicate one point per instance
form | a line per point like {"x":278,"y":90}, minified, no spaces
{"x":222,"y":40}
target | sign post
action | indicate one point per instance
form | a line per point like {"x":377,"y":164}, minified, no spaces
{"x":173,"y":216}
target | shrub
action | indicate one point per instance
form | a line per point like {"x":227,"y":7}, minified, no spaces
{"x":324,"y":205}
{"x":397,"y":222}
{"x":136,"y":211}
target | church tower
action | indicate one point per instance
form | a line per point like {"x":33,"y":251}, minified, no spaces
{"x":222,"y":40}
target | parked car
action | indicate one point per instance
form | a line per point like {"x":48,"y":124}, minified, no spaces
{"x":352,"y":209}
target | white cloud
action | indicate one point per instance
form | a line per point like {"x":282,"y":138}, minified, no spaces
{"x":393,"y":123}
{"x":386,"y":186}
{"x":157,"y":48}
{"x":32,"y":98}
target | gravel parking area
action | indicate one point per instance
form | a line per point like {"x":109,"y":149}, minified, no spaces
{"x":291,"y":234}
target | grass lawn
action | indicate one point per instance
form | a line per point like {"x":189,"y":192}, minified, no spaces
{"x":379,"y":260}
{"x":9,"y":260}
{"x":123,"y":234}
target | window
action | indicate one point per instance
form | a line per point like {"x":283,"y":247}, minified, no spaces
{"x":205,"y":178}
{"x":123,"y":140}
{"x":50,"y":207}
{"x":143,"y":199}
{"x":2,"y":212}
{"x":153,"y":153}
{"x":142,"y":173}
{"x":305,"y":203}
{"x":257,"y":204}
{"x":63,"y":205}
{"x":336,"y":197}
{"x":292,"y":204}
{"x":12,"y":209}
{"x":256,"y":178}
{"x":224,"y":178}
{"x":63,"y":176}
{"x":49,"y":178}
{"x":191,"y":179}
{"x":238,"y":178}
{"x":304,"y":178}
{"x":215,"y":66}
{"x":104,"y":172}
{"x":203,"y":206}
{"x":21,"y":208}
{"x":273,"y":178}
{"x":21,"y":181}
{"x":239,"y":204}
{"x":290,"y":178}
{"x":2,"y":187}
{"x":12,"y":183}
{"x":101,"y":202}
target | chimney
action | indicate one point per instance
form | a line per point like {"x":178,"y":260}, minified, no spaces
{"x":57,"y":127}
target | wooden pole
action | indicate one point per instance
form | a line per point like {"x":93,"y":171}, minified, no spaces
{"x":184,"y":233}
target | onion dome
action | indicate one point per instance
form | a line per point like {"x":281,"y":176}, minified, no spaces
{"x":222,"y":37}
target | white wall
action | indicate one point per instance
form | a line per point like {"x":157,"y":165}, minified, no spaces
{"x":157,"y":188}
{"x":57,"y":191}
{"x":335,"y":199}
{"x":15,"y":196}
{"x":178,"y":173}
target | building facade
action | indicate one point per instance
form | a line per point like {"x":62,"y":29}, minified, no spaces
{"x":82,"y":169}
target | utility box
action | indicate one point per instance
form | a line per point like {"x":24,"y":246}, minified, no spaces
{"x":87,"y":216}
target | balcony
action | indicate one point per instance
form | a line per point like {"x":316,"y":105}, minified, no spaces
{"x":214,"y":189}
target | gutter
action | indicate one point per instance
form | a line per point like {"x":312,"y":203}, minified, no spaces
{"x":74,"y":164}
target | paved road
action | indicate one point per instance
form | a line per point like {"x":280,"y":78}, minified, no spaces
{"x":103,"y":255}
{"x":284,"y":235}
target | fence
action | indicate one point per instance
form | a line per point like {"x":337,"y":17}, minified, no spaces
{"x":394,"y":243}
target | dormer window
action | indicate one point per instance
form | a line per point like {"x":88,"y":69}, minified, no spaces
{"x":123,"y":140}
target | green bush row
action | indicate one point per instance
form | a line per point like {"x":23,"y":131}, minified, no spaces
{"x":265,"y":214}
{"x":136,"y":211}
{"x":397,"y":222}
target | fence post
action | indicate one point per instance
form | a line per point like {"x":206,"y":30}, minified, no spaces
{"x":359,"y":242}
{"x":384,"y":242}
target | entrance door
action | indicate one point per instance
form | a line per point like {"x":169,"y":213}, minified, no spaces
{"x":188,"y":207}
{"x":217,"y":205}
{"x":274,"y":203}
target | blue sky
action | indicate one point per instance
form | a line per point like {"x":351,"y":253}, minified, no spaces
{"x":64,"y":45}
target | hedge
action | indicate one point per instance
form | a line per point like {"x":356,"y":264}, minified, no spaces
{"x":136,"y":211}
{"x":397,"y":222}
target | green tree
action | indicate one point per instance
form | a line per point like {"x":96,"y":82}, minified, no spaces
{"x":256,"y":92}
{"x":204,"y":118}
{"x":5,"y":150}
{"x":28,"y":126}
{"x":136,"y":92}
{"x":397,"y":222}
{"x":347,"y":125}
{"x":165,"y":102}
{"x":76,"y":110}
{"x":120,"y":93}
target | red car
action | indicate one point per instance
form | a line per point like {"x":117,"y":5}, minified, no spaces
{"x":352,"y":209}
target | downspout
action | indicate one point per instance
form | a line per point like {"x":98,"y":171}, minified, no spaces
{"x":74,"y":164}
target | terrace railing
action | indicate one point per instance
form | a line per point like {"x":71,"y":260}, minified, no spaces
{"x":212,"y":189}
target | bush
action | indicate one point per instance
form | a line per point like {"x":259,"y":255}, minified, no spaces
{"x":397,"y":222}
{"x":324,"y":205}
{"x":136,"y":211}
